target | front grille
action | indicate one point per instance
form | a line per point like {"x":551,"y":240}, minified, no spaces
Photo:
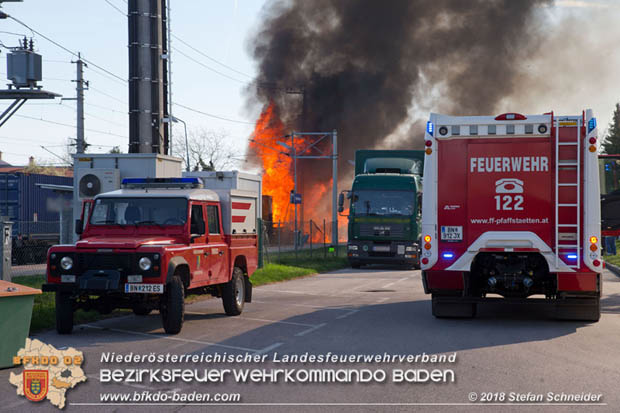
{"x":118,"y":262}
{"x":382,"y":230}
{"x":381,"y":254}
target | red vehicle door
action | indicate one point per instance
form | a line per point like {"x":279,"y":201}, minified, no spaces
{"x":217,"y":247}
{"x":199,"y":261}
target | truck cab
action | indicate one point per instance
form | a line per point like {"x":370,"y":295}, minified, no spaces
{"x":147,"y":245}
{"x":385,"y":208}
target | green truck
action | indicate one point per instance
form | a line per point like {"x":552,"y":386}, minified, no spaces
{"x":385,"y":208}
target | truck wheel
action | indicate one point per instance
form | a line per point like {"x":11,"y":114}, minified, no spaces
{"x":64,"y":313}
{"x":233,"y":293}
{"x":141,"y":309}
{"x":173,"y":306}
{"x":451,"y":309}
{"x":578,"y":309}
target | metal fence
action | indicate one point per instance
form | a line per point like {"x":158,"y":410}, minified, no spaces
{"x":284,"y":239}
{"x":30,"y":242}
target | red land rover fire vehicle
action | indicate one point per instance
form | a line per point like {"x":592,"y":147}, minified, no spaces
{"x":511,"y":208}
{"x":146,"y":245}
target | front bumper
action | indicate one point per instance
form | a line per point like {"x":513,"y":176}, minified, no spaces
{"x":92,"y":281}
{"x":370,"y":252}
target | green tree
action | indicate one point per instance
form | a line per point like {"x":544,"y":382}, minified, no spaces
{"x":611,"y":144}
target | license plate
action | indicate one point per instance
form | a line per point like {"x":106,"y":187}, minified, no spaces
{"x":381,"y":248}
{"x":144,"y":288}
{"x":451,"y":233}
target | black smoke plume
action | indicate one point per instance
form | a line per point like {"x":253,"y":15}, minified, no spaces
{"x":365,"y":65}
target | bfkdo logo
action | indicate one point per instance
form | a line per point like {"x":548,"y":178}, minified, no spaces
{"x":36,"y":384}
{"x":48,"y":373}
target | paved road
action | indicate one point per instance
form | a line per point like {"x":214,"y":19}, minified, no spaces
{"x":372,"y":311}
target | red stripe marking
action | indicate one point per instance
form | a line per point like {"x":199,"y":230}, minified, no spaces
{"x":238,"y":218}
{"x":241,"y":205}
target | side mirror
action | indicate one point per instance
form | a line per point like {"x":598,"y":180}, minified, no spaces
{"x":341,"y":202}
{"x":79,"y":227}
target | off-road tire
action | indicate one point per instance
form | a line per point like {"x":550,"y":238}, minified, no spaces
{"x":173,"y":306}
{"x":64,"y":313}
{"x":233,"y":293}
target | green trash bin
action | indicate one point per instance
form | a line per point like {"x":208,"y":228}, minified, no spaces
{"x":16,"y":303}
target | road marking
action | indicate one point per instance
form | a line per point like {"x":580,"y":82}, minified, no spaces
{"x":347,"y":314}
{"x":304,"y":305}
{"x":268,"y":348}
{"x":262,"y":320}
{"x":316,"y":327}
{"x":395,"y":282}
{"x":186,"y":340}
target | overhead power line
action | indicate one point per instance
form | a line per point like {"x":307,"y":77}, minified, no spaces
{"x":212,"y":115}
{"x":67,"y":50}
{"x":209,"y":57}
{"x":70,"y":126}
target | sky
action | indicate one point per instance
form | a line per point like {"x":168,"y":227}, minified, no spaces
{"x":212,"y":74}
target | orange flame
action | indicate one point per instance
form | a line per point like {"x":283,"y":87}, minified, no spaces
{"x":277,"y":177}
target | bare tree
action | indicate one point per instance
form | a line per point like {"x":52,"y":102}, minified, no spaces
{"x":208,"y":150}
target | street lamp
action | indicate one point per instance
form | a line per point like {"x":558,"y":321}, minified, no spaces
{"x":175,"y":119}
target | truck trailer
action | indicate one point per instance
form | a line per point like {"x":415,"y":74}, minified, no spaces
{"x":511,"y":211}
{"x":384,"y":209}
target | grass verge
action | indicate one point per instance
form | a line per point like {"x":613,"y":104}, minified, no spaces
{"x":282,"y":268}
{"x":44,"y":309}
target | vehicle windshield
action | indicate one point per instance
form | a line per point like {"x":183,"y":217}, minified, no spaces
{"x":609,"y":172}
{"x":383,"y":202}
{"x":139,"y":211}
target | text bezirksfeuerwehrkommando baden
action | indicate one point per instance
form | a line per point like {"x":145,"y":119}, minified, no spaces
{"x":113,"y":357}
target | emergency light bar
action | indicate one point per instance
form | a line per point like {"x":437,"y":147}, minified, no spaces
{"x":178,"y":183}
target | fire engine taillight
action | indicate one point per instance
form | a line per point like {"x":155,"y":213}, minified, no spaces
{"x":427,"y":238}
{"x":592,"y":148}
{"x":428,"y":151}
{"x":593,"y":239}
{"x":593,"y":247}
{"x":428,"y":143}
{"x":424,"y":261}
{"x":427,"y":246}
{"x":596,"y":263}
{"x":593,"y":140}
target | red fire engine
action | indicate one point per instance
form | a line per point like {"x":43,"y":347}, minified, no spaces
{"x":511,"y":209}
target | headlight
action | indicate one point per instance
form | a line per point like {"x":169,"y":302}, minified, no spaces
{"x":66,"y":263}
{"x":353,"y":247}
{"x":145,"y":263}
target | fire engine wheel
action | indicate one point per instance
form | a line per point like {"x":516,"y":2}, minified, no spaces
{"x":64,"y":313}
{"x":173,"y":306}
{"x":451,"y":309}
{"x":578,"y":309}
{"x":233,"y":293}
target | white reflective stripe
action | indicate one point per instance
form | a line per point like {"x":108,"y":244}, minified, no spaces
{"x":508,"y":239}
{"x":591,"y":199}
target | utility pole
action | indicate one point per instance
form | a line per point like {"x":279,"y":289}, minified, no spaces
{"x":80,"y":142}
{"x":335,"y":190}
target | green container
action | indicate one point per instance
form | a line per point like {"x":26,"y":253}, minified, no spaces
{"x":16,"y":303}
